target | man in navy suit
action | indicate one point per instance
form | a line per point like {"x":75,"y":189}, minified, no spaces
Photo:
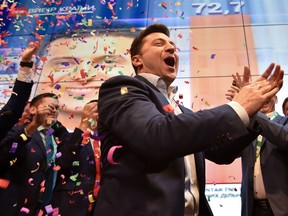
{"x":10,"y":114}
{"x":264,"y":163}
{"x":152,"y":149}
{"x":25,"y":148}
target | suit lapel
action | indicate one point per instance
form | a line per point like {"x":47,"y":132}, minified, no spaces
{"x":254,"y":143}
{"x":278,"y":120}
{"x":39,"y":142}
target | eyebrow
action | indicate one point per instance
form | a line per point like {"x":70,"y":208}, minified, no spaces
{"x":170,"y":41}
{"x":62,"y":58}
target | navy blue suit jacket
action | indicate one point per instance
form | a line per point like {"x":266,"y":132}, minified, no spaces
{"x":9,"y":116}
{"x":12,"y":111}
{"x":76,"y":177}
{"x":274,"y":166}
{"x":28,"y":166}
{"x":148,"y":177}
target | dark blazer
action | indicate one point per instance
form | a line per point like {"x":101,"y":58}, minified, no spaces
{"x":9,"y":116}
{"x":12,"y":111}
{"x":28,"y":166}
{"x":274,"y":166}
{"x":76,"y":177}
{"x":148,"y":177}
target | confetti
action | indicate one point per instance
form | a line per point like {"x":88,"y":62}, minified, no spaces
{"x":130,"y":4}
{"x":14,"y":147}
{"x":30,"y":181}
{"x":164,"y":5}
{"x":123,"y":90}
{"x":168,"y":108}
{"x":4,"y":183}
{"x":177,"y":4}
{"x":49,"y":209}
{"x":25,"y":210}
{"x":111,"y":153}
{"x":74,"y":177}
{"x":35,"y":170}
{"x":58,"y":154}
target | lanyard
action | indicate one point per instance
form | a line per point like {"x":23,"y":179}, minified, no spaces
{"x":259,"y":138}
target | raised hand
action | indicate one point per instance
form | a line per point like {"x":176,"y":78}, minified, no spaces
{"x":238,"y":81}
{"x":89,"y":116}
{"x":31,"y":50}
{"x":231,"y":92}
{"x":252,"y":96}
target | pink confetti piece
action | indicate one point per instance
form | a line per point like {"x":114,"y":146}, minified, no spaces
{"x":111,"y":153}
{"x":25,"y":210}
{"x":30,"y":181}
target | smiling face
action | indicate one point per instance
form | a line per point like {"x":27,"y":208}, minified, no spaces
{"x":38,"y":110}
{"x":158,"y":56}
{"x":76,"y":67}
{"x":269,"y":106}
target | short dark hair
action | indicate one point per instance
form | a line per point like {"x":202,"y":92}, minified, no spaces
{"x":36,"y":100}
{"x":138,"y":41}
{"x":283,"y":105}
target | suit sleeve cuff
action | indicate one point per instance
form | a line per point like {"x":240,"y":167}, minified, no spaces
{"x":241,"y":112}
{"x":24,"y":75}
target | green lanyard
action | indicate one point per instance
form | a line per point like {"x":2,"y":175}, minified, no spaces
{"x":259,"y":140}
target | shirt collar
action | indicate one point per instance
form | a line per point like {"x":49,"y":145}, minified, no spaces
{"x":40,"y":128}
{"x":272,"y":115}
{"x":159,"y":83}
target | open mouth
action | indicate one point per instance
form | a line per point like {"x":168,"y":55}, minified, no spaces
{"x":170,"y":61}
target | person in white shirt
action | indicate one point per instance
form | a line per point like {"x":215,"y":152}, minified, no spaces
{"x":264,"y":163}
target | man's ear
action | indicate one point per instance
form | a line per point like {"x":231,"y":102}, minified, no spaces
{"x":32,"y":110}
{"x":276,"y":99}
{"x":136,"y":61}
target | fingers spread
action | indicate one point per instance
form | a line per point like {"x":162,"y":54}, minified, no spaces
{"x":268,"y":71}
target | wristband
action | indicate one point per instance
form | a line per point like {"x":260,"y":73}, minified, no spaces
{"x":25,"y":132}
{"x":26,"y":64}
